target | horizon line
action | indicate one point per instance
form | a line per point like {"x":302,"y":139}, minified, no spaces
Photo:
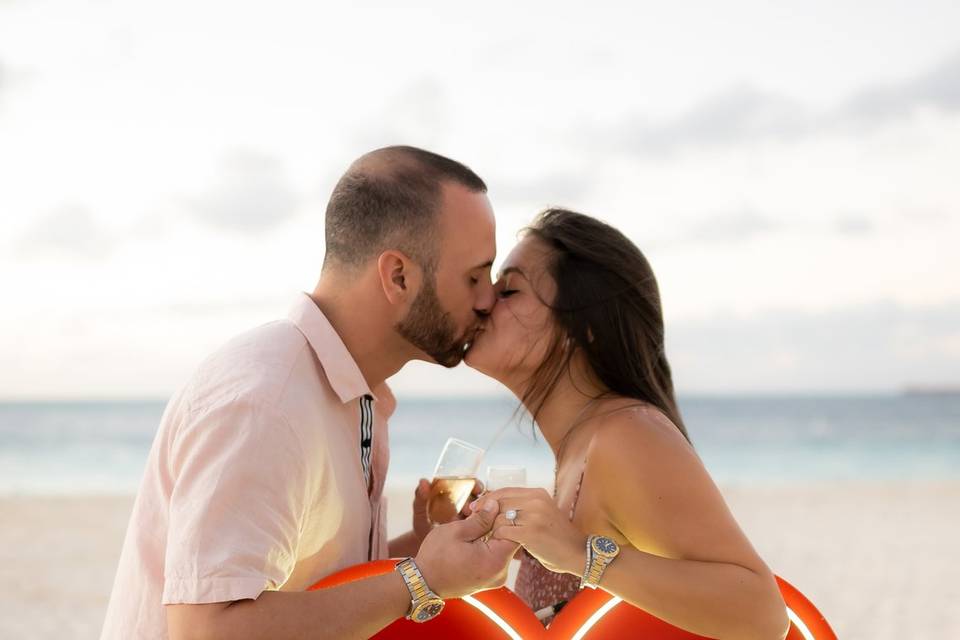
{"x":740,"y":393}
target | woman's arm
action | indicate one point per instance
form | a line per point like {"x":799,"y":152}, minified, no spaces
{"x":714,"y":599}
{"x":684,"y":559}
{"x":688,"y":562}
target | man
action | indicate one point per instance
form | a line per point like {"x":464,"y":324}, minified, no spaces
{"x":268,"y":468}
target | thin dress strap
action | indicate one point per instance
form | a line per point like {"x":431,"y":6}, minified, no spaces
{"x":576,"y":495}
{"x":542,"y":590}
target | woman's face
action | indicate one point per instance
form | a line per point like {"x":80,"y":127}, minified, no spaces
{"x":517,"y":334}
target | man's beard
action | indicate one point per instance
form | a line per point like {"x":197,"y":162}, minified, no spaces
{"x":429,"y":328}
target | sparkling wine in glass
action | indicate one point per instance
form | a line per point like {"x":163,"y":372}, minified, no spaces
{"x":453,"y":480}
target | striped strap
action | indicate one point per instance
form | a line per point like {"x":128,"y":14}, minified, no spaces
{"x":366,"y":436}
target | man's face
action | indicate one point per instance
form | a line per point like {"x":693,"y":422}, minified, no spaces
{"x":452,"y":303}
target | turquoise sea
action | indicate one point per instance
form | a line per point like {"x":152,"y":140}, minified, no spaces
{"x":101,"y":447}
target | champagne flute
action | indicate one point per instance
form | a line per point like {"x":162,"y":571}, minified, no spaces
{"x":502,"y":476}
{"x":453,"y":480}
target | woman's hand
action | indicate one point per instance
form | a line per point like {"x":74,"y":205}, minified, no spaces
{"x":421,"y":498}
{"x":540,"y":526}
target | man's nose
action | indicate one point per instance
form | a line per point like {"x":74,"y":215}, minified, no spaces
{"x":485,"y":301}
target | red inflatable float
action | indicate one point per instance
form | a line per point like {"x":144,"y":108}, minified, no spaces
{"x":593,"y":614}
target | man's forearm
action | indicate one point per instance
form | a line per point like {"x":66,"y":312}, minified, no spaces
{"x":354,"y":610}
{"x":405,"y":545}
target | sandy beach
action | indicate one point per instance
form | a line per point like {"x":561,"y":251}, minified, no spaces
{"x":879,"y":560}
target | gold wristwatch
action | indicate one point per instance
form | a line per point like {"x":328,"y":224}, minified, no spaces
{"x":424,"y":603}
{"x":601,"y":551}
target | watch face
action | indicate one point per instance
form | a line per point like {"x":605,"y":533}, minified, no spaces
{"x":428,"y":610}
{"x":605,"y":545}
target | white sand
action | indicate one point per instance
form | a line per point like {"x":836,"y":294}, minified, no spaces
{"x":880,"y":561}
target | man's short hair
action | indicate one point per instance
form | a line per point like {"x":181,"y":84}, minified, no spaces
{"x":389,"y":199}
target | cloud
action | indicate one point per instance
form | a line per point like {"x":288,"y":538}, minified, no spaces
{"x":69,"y":231}
{"x":877,"y":346}
{"x":418,"y":114}
{"x":928,"y":216}
{"x":14,"y":77}
{"x":728,"y":227}
{"x":740,"y":113}
{"x":745,"y":114}
{"x":4,"y":81}
{"x":741,"y":225}
{"x":251,"y":195}
{"x":558,"y":188}
{"x":854,"y":225}
{"x":939,"y":88}
{"x":224,"y":306}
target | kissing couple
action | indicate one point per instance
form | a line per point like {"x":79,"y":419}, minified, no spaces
{"x":267,"y":470}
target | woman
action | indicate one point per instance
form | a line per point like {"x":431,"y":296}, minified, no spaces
{"x":577,"y":334}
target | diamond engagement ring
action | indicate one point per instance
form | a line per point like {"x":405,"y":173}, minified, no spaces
{"x":511,"y":515}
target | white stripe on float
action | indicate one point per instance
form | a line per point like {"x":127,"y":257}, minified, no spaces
{"x":592,"y":620}
{"x":795,"y":619}
{"x":599,"y":613}
{"x":490,"y":613}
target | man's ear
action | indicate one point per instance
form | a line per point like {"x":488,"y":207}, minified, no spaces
{"x":399,"y":276}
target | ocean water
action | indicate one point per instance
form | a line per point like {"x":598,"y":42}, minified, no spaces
{"x":101,"y":447}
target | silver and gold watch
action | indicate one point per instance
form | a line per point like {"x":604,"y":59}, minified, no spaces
{"x":601,"y":551}
{"x":424,"y":603}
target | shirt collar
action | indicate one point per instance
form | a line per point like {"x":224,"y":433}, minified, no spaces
{"x":342,"y":371}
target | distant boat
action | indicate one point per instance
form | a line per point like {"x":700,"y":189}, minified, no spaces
{"x":932,"y":390}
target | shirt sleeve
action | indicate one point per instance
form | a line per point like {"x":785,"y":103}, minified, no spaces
{"x":237,"y":504}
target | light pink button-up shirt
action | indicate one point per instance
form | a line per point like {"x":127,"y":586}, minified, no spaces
{"x":255,"y":481}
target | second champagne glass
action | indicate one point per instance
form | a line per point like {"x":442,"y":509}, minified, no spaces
{"x":502,"y":476}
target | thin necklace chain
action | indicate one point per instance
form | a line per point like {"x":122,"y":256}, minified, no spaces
{"x":576,"y":422}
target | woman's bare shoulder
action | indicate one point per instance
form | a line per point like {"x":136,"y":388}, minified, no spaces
{"x":639,"y":453}
{"x":634,"y":428}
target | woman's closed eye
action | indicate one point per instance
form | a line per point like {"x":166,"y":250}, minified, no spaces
{"x":506,"y":293}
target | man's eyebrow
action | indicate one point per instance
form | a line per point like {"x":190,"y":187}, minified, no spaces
{"x":485,"y":265}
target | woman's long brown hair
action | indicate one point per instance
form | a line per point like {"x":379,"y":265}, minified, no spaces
{"x":608,"y":305}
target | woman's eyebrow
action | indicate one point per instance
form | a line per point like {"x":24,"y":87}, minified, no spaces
{"x":509,"y":270}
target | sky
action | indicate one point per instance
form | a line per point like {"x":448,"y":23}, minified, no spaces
{"x":790,"y":170}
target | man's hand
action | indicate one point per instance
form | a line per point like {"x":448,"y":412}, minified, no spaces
{"x":421,"y":497}
{"x":456,"y":561}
